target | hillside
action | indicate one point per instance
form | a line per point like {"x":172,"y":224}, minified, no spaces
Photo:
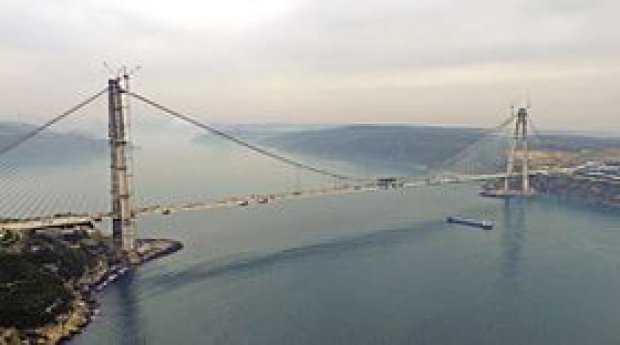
{"x":402,"y":146}
{"x":413,"y":146}
{"x":49,"y":147}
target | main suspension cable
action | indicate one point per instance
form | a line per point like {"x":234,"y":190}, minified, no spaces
{"x":237,"y":140}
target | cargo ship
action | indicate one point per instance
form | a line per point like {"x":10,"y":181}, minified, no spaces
{"x":484,"y":224}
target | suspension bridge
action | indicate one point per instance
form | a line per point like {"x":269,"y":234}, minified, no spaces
{"x":123,"y":208}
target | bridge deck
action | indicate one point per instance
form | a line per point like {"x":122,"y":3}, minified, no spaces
{"x":361,"y":186}
{"x":46,"y":223}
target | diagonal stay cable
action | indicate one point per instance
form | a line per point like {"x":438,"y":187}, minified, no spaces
{"x":470,"y":147}
{"x":540,"y":139}
{"x":22,"y":139}
{"x":239,"y":141}
{"x":13,"y":170}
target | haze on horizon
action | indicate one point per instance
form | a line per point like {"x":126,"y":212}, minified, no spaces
{"x":439,"y":62}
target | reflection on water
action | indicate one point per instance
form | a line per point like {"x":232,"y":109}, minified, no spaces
{"x":513,"y":237}
{"x":127,"y":320}
{"x":124,"y":321}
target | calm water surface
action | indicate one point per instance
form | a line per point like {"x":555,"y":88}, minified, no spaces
{"x":379,"y":268}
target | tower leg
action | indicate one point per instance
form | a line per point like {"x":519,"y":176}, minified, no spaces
{"x":519,"y":142}
{"x":122,"y":217}
{"x":525,"y":173}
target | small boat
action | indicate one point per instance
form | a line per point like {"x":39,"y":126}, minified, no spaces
{"x":484,"y":224}
{"x":243,"y":203}
{"x":112,"y":278}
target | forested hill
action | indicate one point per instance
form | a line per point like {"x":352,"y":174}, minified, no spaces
{"x":413,"y":146}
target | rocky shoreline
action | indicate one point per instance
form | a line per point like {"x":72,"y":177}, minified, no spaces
{"x":84,"y":306}
{"x":582,"y":189}
{"x":577,"y":188}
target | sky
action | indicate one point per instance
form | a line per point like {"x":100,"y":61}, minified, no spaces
{"x":434,"y":62}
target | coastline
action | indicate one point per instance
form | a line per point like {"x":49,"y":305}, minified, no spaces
{"x":588,"y":190}
{"x":84,"y":306}
{"x":585,"y":190}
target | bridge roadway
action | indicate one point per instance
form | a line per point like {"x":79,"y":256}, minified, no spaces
{"x":369,"y":186}
{"x":47,"y":222}
{"x":69,"y":221}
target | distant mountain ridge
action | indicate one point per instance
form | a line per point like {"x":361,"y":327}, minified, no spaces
{"x":403,"y":147}
{"x":48,"y":147}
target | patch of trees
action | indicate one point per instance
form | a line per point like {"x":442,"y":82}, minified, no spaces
{"x":8,"y":238}
{"x":70,"y":262}
{"x":30,"y":296}
{"x":33,"y":289}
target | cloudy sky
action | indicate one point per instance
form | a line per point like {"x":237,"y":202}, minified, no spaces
{"x":339,"y":61}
